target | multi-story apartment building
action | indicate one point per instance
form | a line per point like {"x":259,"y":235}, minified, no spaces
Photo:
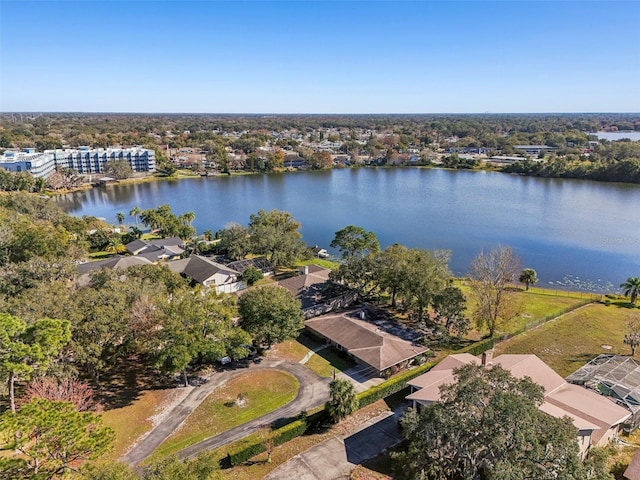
{"x":38,"y":164}
{"x":92,"y":160}
{"x":84,"y":160}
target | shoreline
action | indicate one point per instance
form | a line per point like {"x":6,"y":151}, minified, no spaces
{"x":154,"y":178}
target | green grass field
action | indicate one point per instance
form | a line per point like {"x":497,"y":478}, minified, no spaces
{"x":574,"y":339}
{"x":263,"y":391}
{"x":323,"y":362}
{"x":531,"y":307}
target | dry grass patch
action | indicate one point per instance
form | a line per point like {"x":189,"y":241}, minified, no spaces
{"x":259,"y":468}
{"x":241,"y":399}
{"x":571,"y":341}
{"x":291,"y":350}
{"x":133,"y":421}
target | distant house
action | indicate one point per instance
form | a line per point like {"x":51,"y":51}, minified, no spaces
{"x":294,"y":161}
{"x":208,"y":273}
{"x":157,"y":249}
{"x":535,"y":150}
{"x":364,"y":341}
{"x":319,"y":252}
{"x":501,"y":160}
{"x":597,"y":419}
{"x":308,"y":286}
{"x":117,"y":262}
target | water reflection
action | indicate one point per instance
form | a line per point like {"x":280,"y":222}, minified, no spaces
{"x":562,"y":228}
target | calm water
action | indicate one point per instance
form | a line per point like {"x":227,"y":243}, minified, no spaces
{"x":576,"y":234}
{"x":613,"y":136}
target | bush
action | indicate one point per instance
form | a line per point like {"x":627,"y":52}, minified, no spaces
{"x":252,"y":446}
{"x":392,"y":385}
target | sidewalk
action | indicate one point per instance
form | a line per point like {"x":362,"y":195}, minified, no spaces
{"x":334,"y":459}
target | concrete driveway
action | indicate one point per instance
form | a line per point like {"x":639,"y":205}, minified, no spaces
{"x":335,"y":458}
{"x":313,"y":392}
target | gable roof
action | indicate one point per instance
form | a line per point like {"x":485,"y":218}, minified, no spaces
{"x":307,"y":287}
{"x":199,"y":268}
{"x":144,"y":246}
{"x":364,"y":340}
{"x":531,"y":366}
{"x":115,"y":262}
{"x":135,"y":246}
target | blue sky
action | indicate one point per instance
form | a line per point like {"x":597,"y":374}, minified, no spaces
{"x":320,"y":57}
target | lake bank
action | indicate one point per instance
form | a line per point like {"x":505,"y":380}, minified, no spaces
{"x":572,"y":232}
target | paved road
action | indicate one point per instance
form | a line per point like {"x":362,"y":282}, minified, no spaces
{"x":334,"y":459}
{"x":313,"y":392}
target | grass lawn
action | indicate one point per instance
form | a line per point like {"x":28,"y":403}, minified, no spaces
{"x":263,"y":392}
{"x":533,"y":307}
{"x":319,"y":261}
{"x":327,"y":360}
{"x":322,"y":362}
{"x":573,"y":340}
{"x":291,"y":350}
{"x":134,"y":420}
{"x":536,"y":307}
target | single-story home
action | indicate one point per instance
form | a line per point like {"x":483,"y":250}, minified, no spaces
{"x":117,"y":262}
{"x":308,"y":286}
{"x":157,"y":248}
{"x":597,"y":419}
{"x":364,"y":341}
{"x":208,"y":273}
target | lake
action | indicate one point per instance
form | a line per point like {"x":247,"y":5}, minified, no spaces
{"x":613,"y":136}
{"x":576,"y":234}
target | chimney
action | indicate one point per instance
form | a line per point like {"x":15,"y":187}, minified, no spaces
{"x":486,"y":358}
{"x":304,"y":270}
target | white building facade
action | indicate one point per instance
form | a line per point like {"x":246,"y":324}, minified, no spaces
{"x":40,"y":165}
{"x":92,"y":160}
{"x":84,"y":160}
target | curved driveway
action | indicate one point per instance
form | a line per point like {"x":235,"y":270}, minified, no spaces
{"x":313,"y":391}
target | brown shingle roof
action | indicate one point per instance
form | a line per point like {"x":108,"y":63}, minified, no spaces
{"x":308,"y":287}
{"x":633,"y":470}
{"x":365,"y":341}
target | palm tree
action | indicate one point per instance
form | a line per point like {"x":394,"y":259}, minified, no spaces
{"x":135,"y":212}
{"x":187,"y":218}
{"x":343,"y":399}
{"x":631,"y":288}
{"x":528,"y":277}
{"x":120,"y":218}
{"x":115,"y":246}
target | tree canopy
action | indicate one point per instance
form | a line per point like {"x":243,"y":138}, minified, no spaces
{"x":487,"y":426}
{"x":271,"y":314}
{"x":355,"y":241}
{"x":631,"y":288}
{"x":490,"y":275}
{"x":52,"y":438}
{"x":276,"y":235}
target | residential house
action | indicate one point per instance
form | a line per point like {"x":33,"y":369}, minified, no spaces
{"x":157,"y":249}
{"x":597,"y":418}
{"x":117,"y":262}
{"x":309,"y":285}
{"x":366,"y":342}
{"x":208,"y":273}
